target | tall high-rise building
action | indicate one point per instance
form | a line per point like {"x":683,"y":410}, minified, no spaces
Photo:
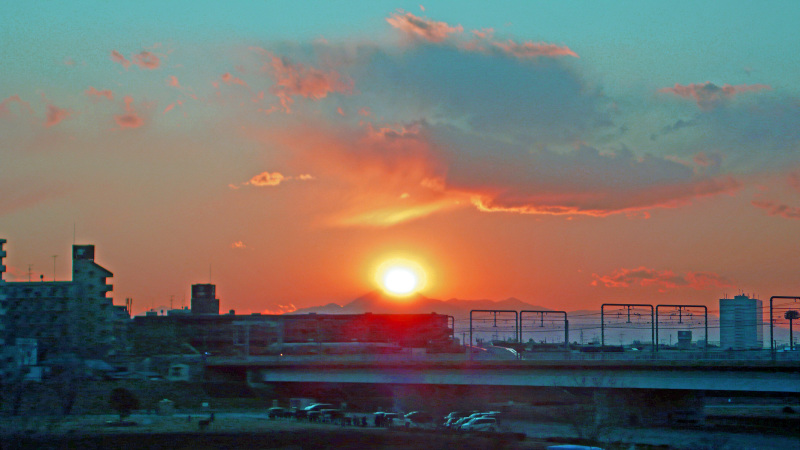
{"x":63,"y":316}
{"x":741,"y":321}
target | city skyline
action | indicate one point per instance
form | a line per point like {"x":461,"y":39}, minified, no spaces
{"x":568,"y":157}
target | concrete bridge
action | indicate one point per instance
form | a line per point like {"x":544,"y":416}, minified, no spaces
{"x":695,"y":375}
{"x":631,"y":392}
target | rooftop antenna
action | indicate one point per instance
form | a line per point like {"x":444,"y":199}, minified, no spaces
{"x":30,"y":272}
{"x":73,"y":233}
{"x":54,"y":267}
{"x":209,"y":273}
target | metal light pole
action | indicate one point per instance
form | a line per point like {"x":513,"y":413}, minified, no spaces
{"x":791,"y":316}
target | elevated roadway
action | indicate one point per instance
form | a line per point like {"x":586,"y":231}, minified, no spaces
{"x":710,"y":375}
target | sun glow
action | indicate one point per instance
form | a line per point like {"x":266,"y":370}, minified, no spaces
{"x":400,"y":277}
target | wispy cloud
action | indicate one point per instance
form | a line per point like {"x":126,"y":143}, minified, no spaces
{"x":708,"y":95}
{"x":662,"y":280}
{"x":778,"y":209}
{"x":5,"y":106}
{"x":56,"y":115}
{"x":146,"y":60}
{"x":129,"y":119}
{"x":297,"y":80}
{"x":533,"y":49}
{"x":96,"y":94}
{"x":118,"y":58}
{"x":422,"y":28}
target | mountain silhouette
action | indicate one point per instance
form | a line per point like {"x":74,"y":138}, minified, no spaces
{"x":380,"y":303}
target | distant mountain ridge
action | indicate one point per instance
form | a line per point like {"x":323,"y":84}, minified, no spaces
{"x":379,"y":303}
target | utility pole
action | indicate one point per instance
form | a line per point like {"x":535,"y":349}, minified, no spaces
{"x":30,"y":271}
{"x":54,"y":267}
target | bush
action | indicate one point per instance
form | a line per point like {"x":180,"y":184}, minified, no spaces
{"x":123,"y":402}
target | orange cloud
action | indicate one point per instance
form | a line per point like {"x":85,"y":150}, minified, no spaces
{"x":238,"y":245}
{"x":420,"y":27}
{"x":533,"y":49}
{"x":95,"y":94}
{"x":272,"y":179}
{"x":130,"y":119}
{"x":366,"y":169}
{"x":708,"y":95}
{"x":267,"y":179}
{"x":663,"y":280}
{"x":118,"y":58}
{"x":282,"y":309}
{"x":55,"y":115}
{"x":296,"y":80}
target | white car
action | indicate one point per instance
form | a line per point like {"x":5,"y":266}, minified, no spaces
{"x":480,"y":424}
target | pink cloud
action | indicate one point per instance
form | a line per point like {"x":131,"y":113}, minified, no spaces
{"x":663,"y":279}
{"x":173,"y":81}
{"x":130,"y":119}
{"x":146,"y":60}
{"x":96,"y":94}
{"x":708,"y":95}
{"x":55,"y":115}
{"x":420,"y":27}
{"x":118,"y":58}
{"x":6,"y":111}
{"x":777,"y":209}
{"x":296,"y":80}
{"x":227,"y":78}
{"x":533,"y":49}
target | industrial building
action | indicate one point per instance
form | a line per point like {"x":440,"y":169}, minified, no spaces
{"x":231,"y":334}
{"x":741,"y":321}
{"x":64,"y":316}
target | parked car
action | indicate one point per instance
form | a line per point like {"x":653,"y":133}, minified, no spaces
{"x":391,"y":419}
{"x":331,"y":415}
{"x":418,"y":419}
{"x":451,"y":418}
{"x":316,"y":407}
{"x":277,"y":412}
{"x":488,"y":424}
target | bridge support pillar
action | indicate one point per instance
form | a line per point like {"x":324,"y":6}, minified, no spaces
{"x":648,"y":407}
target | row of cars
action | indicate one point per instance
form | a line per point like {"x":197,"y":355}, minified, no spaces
{"x":472,"y":421}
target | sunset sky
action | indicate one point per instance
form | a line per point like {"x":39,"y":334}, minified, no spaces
{"x":565,"y":153}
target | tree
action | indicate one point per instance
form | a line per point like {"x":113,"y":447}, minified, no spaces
{"x":123,"y":402}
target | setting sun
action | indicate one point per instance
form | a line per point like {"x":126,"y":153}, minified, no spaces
{"x":400,"y":277}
